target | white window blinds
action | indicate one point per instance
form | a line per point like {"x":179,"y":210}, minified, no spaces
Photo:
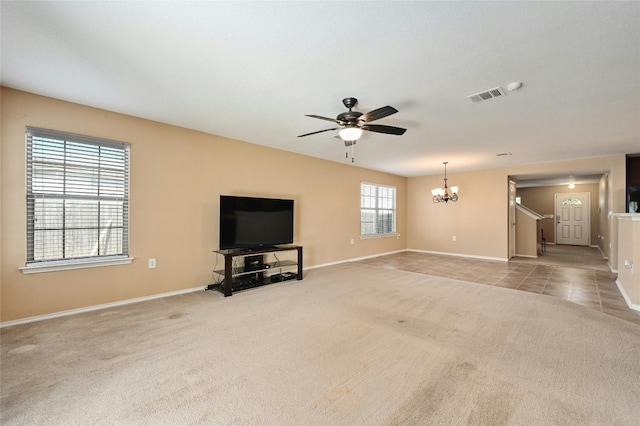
{"x":77,"y":196}
{"x":377,"y":210}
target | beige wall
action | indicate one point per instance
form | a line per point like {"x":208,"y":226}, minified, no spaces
{"x":177,"y":176}
{"x":603,"y":214}
{"x":527,"y":234}
{"x":479,"y":219}
{"x":541,"y":200}
{"x":629,"y":257}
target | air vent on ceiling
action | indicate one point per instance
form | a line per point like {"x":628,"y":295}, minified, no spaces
{"x":486,"y":95}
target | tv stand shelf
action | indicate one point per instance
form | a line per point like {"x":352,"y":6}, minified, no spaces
{"x":233,"y":277}
{"x":239,"y":271}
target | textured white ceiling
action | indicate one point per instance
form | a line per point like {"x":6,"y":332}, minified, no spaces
{"x":252,"y":70}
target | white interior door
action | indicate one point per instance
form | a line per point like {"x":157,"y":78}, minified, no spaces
{"x":573,"y":221}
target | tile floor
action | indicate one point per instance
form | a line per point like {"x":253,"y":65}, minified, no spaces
{"x":595,"y":289}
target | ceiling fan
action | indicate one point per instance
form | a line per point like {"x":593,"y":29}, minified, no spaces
{"x":352,"y":123}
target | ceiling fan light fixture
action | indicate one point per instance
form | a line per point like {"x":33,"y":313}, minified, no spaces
{"x":350,"y":133}
{"x":353,"y":123}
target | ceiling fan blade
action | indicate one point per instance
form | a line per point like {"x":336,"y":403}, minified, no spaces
{"x":319,"y":131}
{"x":379,"y":113}
{"x":379,"y":128}
{"x":325,"y":118}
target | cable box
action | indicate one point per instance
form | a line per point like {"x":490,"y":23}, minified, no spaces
{"x":285,"y":276}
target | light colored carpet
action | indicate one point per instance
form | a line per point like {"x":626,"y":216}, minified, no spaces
{"x":349,"y":345}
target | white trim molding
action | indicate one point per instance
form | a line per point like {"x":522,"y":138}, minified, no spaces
{"x":627,"y":299}
{"x":66,"y":265}
{"x":354,"y":259}
{"x":500,"y":259}
{"x":98,"y":307}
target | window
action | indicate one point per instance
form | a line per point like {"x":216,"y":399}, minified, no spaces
{"x":377,"y":210}
{"x":572,"y":202}
{"x":77,"y":198}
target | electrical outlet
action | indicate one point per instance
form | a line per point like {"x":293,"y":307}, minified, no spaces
{"x":629,"y":265}
{"x":352,"y":241}
{"x":152,"y":263}
{"x":453,"y":238}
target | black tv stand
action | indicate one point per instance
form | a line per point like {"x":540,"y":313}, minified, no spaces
{"x":240,"y":279}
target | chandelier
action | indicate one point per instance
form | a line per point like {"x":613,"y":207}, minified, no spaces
{"x":446,"y":194}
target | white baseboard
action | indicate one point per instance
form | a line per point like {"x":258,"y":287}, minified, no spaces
{"x":627,"y":299}
{"x":601,"y":252}
{"x":98,"y":307}
{"x":155,"y":296}
{"x":354,"y":259}
{"x":194,"y":289}
{"x":500,"y":259}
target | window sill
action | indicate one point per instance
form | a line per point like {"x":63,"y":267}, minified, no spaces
{"x":368,"y":237}
{"x":65,"y":265}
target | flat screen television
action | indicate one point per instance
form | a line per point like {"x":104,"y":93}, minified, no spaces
{"x":250,"y":222}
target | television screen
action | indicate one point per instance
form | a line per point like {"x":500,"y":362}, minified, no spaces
{"x":249,"y":222}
